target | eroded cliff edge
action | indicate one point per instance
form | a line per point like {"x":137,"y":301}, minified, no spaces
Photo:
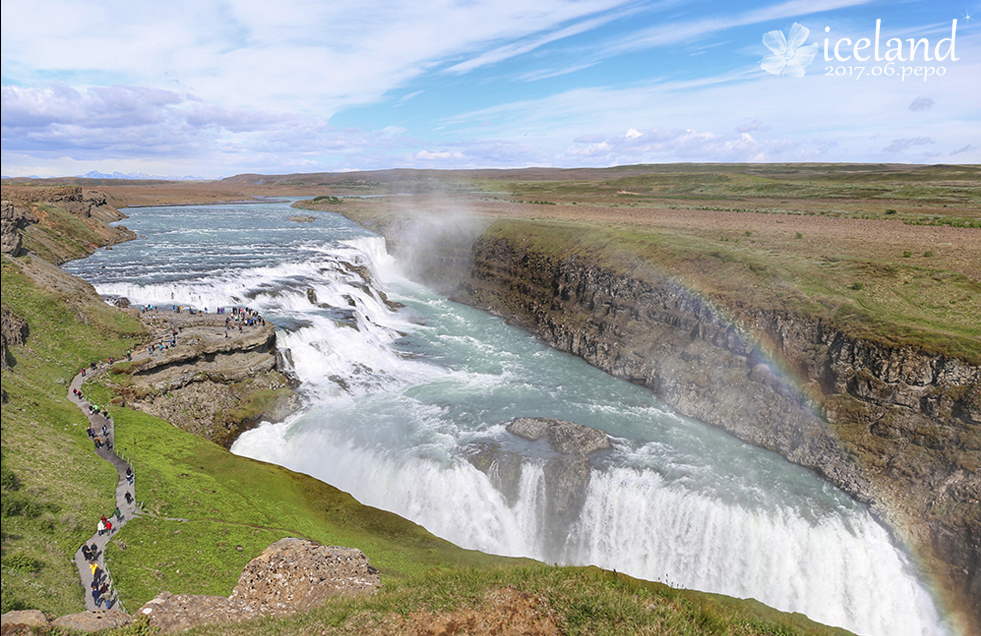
{"x":216,"y":380}
{"x":896,"y":427}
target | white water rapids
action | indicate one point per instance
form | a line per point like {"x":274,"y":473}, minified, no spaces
{"x":397,"y":397}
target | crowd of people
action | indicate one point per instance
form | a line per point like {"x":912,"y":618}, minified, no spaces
{"x":101,"y":585}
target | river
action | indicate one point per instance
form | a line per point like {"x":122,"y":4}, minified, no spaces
{"x":396,"y":398}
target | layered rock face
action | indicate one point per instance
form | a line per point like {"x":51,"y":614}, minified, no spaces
{"x":210,"y":385}
{"x":12,"y":221}
{"x":31,"y":210}
{"x":896,"y":428}
{"x":13,"y":332}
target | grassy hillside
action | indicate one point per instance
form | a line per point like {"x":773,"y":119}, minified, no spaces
{"x":226,"y":509}
{"x":54,"y":486}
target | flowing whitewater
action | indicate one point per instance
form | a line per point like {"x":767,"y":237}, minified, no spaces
{"x":401,"y":386}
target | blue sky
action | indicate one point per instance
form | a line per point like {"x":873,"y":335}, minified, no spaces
{"x":213,"y":89}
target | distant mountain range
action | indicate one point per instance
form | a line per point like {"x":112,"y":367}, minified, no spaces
{"x":94,"y":174}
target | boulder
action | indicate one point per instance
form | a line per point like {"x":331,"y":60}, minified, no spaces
{"x":93,"y":621}
{"x":295,"y":575}
{"x":22,"y":620}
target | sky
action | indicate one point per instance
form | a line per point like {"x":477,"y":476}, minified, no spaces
{"x":212,"y":89}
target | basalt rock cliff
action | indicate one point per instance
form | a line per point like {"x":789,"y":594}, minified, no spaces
{"x":895,"y":427}
{"x":207,"y":383}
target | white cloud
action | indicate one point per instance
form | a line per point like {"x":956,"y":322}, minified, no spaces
{"x":921,"y":103}
{"x":898,"y":145}
{"x":134,"y":125}
{"x":962,"y":150}
{"x":312,"y":57}
{"x":750,"y":125}
{"x":688,"y":145}
{"x":442,"y":154}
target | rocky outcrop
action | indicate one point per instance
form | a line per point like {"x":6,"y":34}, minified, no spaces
{"x":171,"y":613}
{"x":214,"y":381}
{"x":93,"y":621}
{"x":296,"y":575}
{"x":566,"y":475}
{"x":13,"y":333}
{"x":30,"y":621}
{"x":292,"y":575}
{"x":22,"y":621}
{"x":57,"y":216}
{"x":565,"y":438}
{"x":502,"y":467}
{"x":12,"y":221}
